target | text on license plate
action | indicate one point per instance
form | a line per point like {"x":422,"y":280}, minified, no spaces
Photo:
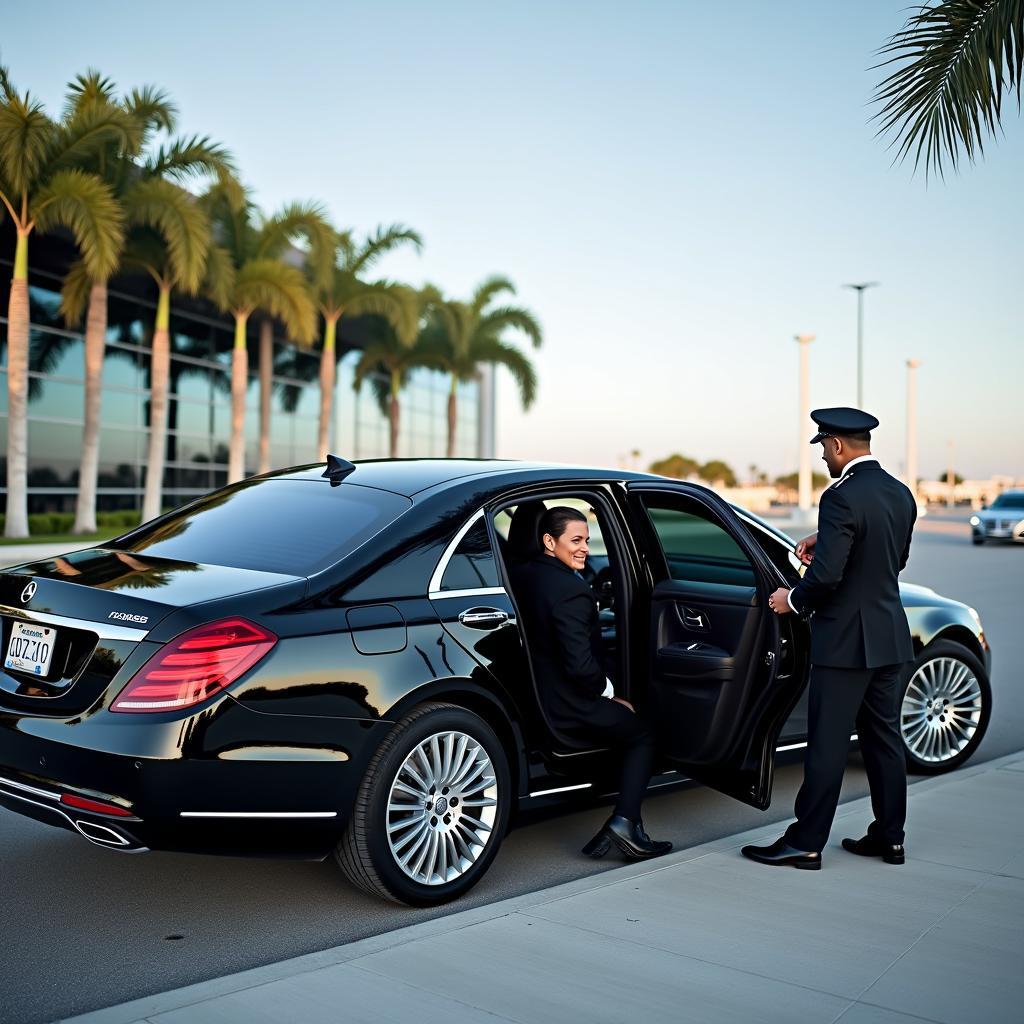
{"x":30,"y":648}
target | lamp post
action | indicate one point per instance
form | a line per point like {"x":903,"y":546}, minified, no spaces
{"x":912,"y":365}
{"x":804,"y":489}
{"x":860,"y":289}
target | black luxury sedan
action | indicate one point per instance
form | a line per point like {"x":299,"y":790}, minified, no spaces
{"x":330,"y":661}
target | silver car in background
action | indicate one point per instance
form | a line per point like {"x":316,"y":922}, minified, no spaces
{"x":1002,"y":520}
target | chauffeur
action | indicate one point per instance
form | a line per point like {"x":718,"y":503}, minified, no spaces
{"x":860,"y":643}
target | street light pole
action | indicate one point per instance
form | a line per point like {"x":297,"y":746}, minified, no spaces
{"x":804,"y":489}
{"x":860,"y":289}
{"x":912,"y":365}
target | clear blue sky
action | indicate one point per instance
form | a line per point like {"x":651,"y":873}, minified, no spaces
{"x":675,"y":188}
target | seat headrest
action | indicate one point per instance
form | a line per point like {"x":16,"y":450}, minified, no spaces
{"x":524,"y":531}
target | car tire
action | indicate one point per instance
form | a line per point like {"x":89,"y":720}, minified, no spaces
{"x":436,"y":754}
{"x":947,"y":703}
{"x":977,"y":541}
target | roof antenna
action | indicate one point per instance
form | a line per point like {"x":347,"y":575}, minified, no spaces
{"x":337,"y":469}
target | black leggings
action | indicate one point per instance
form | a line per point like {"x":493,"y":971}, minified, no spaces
{"x":616,"y":726}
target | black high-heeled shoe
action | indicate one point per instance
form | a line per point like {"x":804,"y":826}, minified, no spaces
{"x":629,"y":837}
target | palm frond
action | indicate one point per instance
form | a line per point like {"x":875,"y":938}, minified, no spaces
{"x":491,"y":350}
{"x":490,"y":289}
{"x":181,"y":223}
{"x":279,"y":290}
{"x":26,"y":135}
{"x":86,"y":206}
{"x":382,"y":241}
{"x":74,"y":293}
{"x":306,"y":221}
{"x":515,"y":317}
{"x":957,"y":58}
{"x":153,"y":109}
{"x":91,"y":129}
{"x":231,"y":214}
{"x":88,"y":89}
{"x":219,"y":277}
{"x":184,"y":160}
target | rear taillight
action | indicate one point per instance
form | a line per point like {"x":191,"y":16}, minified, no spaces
{"x":97,"y":806}
{"x":195,"y":665}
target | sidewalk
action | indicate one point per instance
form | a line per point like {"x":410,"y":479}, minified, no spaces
{"x":700,"y":935}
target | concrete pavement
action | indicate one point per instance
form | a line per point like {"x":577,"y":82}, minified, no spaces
{"x":700,"y":935}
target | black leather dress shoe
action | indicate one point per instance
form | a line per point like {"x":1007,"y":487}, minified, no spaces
{"x":869,"y":846}
{"x":629,"y":837}
{"x":780,"y":852}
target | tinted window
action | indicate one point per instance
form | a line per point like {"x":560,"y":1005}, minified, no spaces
{"x":697,"y":549}
{"x":472,"y":564}
{"x":289,"y":526}
{"x":1014,"y":501}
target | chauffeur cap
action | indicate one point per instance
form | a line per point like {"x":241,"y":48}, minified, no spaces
{"x":842,"y":421}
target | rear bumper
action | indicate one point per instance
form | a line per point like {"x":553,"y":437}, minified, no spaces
{"x":275,"y":798}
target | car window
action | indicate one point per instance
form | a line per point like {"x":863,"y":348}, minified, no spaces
{"x":696,"y":549}
{"x":296,"y":527}
{"x":472,"y":563}
{"x":1008,"y":501}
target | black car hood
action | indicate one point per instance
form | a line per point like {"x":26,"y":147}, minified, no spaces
{"x":104,"y":585}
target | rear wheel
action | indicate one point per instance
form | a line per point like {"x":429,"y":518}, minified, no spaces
{"x":946,"y":708}
{"x":431,"y":810}
{"x":977,"y":540}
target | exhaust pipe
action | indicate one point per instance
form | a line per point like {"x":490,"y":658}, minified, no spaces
{"x":106,"y":837}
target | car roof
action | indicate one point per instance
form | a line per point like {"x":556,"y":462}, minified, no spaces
{"x":410,"y":477}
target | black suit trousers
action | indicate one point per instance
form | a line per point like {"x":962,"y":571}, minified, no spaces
{"x":840,"y":700}
{"x":608,"y":722}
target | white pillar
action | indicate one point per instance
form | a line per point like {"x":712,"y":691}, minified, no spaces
{"x":911,"y":467}
{"x":804,"y":502}
{"x":486,"y":442}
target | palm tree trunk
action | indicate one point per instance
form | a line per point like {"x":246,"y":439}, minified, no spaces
{"x":328,"y":374}
{"x":266,"y":383}
{"x":394,"y":413}
{"x":239,"y":384}
{"x":451,"y":418}
{"x":16,"y":522}
{"x":95,"y":345}
{"x":160,"y":372}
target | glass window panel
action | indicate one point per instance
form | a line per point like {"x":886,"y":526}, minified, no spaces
{"x":54,"y":450}
{"x":120,"y":446}
{"x":56,"y":354}
{"x":122,"y":408}
{"x":190,"y":337}
{"x":697,"y":549}
{"x":44,"y":306}
{"x":57,"y":399}
{"x":472,"y":565}
{"x":188,"y":417}
{"x":121,"y":369}
{"x":190,"y":381}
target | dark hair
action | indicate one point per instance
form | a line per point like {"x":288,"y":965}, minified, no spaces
{"x":861,"y":437}
{"x":557,"y":519}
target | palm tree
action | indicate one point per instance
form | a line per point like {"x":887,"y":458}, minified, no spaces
{"x":148,"y":112}
{"x":391,"y":354}
{"x":460,"y":337}
{"x":957,"y":58}
{"x":250,"y":274}
{"x":169,"y":239}
{"x":43,"y":186}
{"x":343,"y":292}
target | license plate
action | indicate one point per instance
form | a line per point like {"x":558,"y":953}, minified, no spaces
{"x":30,"y":648}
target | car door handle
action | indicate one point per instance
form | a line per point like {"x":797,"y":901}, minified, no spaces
{"x":694,"y":619}
{"x":483,"y":618}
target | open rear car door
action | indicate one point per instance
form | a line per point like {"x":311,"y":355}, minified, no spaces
{"x":723,"y":668}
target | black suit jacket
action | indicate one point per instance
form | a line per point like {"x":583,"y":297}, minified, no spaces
{"x":560,"y":620}
{"x":865,"y":522}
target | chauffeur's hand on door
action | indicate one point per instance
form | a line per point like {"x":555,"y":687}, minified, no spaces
{"x":805,"y":548}
{"x":779,"y":601}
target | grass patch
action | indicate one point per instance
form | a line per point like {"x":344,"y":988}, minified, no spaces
{"x":70,"y":539}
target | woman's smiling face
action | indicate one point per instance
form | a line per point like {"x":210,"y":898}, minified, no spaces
{"x":571,"y":548}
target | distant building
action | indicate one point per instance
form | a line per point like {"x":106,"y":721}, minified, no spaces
{"x":199,"y":408}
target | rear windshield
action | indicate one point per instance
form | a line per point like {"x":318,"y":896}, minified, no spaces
{"x":297,"y":527}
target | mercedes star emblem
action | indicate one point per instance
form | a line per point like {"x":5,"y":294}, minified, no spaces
{"x":28,"y":593}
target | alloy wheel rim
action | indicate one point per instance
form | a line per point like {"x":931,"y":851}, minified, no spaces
{"x":941,"y":710}
{"x":441,"y":808}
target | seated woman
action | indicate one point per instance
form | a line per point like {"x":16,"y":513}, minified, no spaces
{"x":561,"y":620}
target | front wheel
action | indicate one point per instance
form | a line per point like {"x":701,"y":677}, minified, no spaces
{"x":946,"y":708}
{"x":431,"y":810}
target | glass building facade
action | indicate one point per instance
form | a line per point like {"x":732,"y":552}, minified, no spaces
{"x":199,"y":406}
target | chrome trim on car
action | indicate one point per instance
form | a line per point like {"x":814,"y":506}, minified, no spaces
{"x":790,"y":746}
{"x":561,"y":789}
{"x":258,"y":814}
{"x":435,"y":580}
{"x":437,"y":595}
{"x":123,"y":846}
{"x":104,"y":630}
{"x":4,"y":781}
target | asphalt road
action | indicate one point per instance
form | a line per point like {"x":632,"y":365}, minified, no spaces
{"x":83,"y":928}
